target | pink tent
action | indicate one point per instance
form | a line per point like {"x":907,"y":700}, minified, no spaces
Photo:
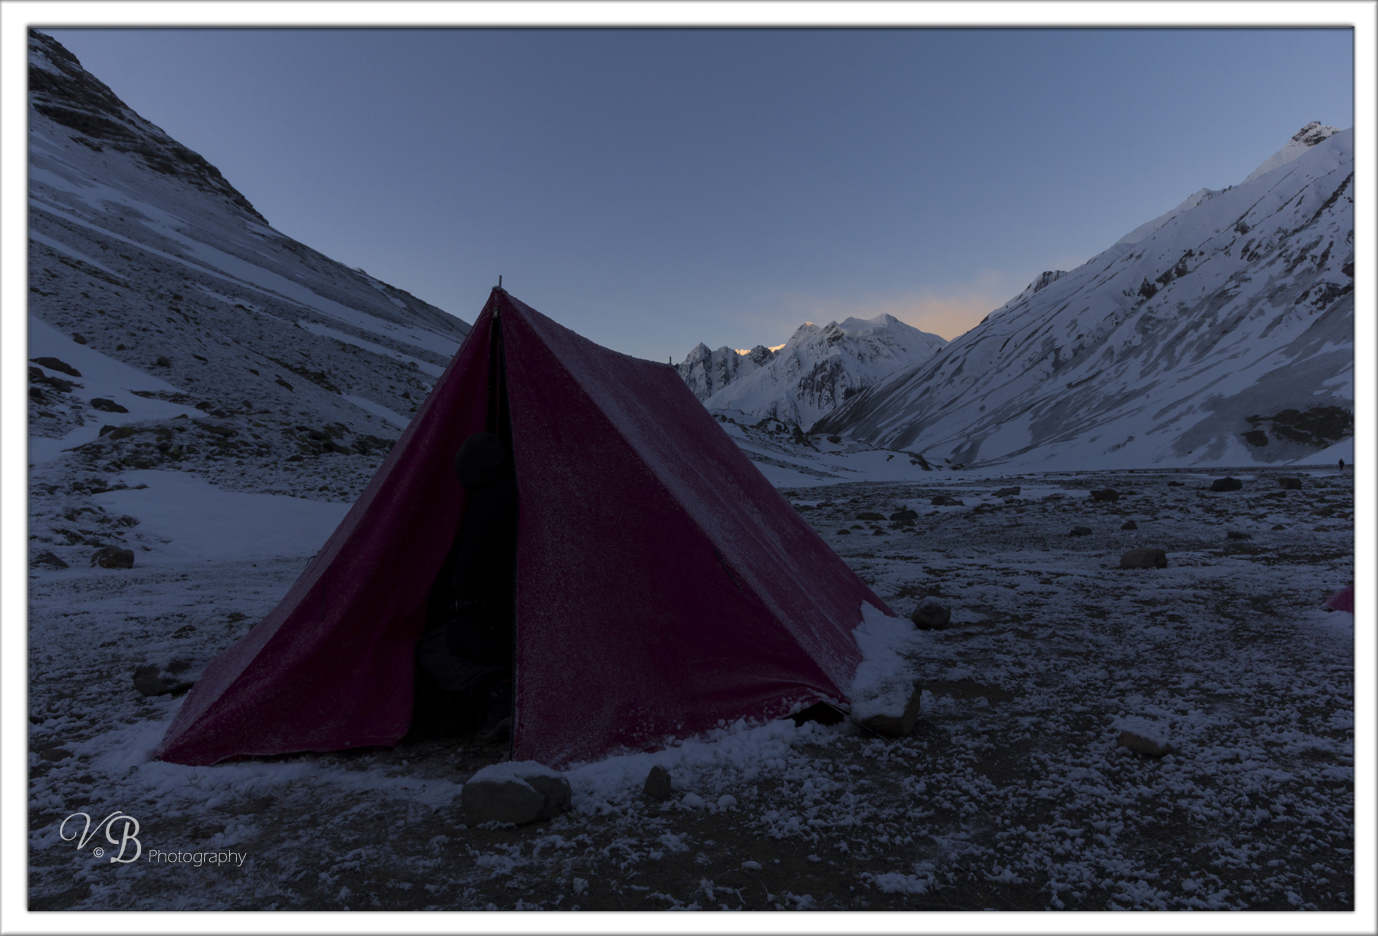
{"x":662,"y":583}
{"x":1342,"y":600}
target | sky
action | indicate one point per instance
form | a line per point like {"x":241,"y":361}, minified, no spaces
{"x":653,"y":189}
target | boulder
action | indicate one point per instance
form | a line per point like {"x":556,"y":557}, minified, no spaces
{"x":1143,"y":742}
{"x":1109,"y":495}
{"x":1145,"y":558}
{"x":53,"y":363}
{"x":162,"y":362}
{"x":108,"y":406}
{"x":1226,"y":484}
{"x":870,"y":515}
{"x":1008,"y":491}
{"x":904,"y":516}
{"x":942,"y":500}
{"x":1080,"y":531}
{"x":1290,"y":484}
{"x":50,"y":560}
{"x":658,"y":784}
{"x":1129,"y":525}
{"x":514,"y":792}
{"x":897,"y":725}
{"x":931,"y":614}
{"x":112,"y":557}
{"x":1237,"y":535}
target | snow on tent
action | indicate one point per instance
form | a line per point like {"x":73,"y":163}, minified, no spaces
{"x":663,"y":584}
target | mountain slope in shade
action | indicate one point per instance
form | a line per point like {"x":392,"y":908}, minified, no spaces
{"x":818,"y":368}
{"x":146,"y":263}
{"x":1221,"y":333}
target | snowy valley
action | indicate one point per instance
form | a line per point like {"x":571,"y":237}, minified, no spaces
{"x":212,"y":396}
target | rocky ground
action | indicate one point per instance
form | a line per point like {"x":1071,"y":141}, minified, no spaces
{"x":1012,"y":793}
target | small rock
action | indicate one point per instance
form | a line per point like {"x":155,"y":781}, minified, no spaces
{"x":108,"y":406}
{"x":1176,"y":484}
{"x":1109,"y":495}
{"x":53,"y":363}
{"x":898,"y":726}
{"x":1008,"y":491}
{"x":515,"y":792}
{"x":1145,"y":558}
{"x":870,"y":515}
{"x":78,"y":338}
{"x":55,"y":754}
{"x":1143,"y":744}
{"x":942,"y":500}
{"x":658,"y":784}
{"x":844,"y":532}
{"x":150,"y":682}
{"x":1226,"y":484}
{"x":904,"y":516}
{"x":112,"y":557}
{"x":1129,"y":525}
{"x":1279,"y":526}
{"x":1237,"y":535}
{"x":1080,"y":531}
{"x":50,"y":560}
{"x":1290,"y":484}
{"x":931,"y":614}
{"x":162,"y":362}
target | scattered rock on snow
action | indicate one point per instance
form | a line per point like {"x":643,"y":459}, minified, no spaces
{"x":162,"y":362}
{"x":1290,"y":484}
{"x":658,"y":784}
{"x":1237,"y":535}
{"x":931,"y":614}
{"x":515,"y":792}
{"x":1080,"y":531}
{"x":1008,"y":492}
{"x":50,"y":560}
{"x":943,"y":500}
{"x":1226,"y":484}
{"x":1143,"y":742}
{"x":1129,"y":525}
{"x":112,"y":557}
{"x":1109,"y":495}
{"x":53,"y":363}
{"x":870,"y":515}
{"x":904,"y":516}
{"x":108,"y":406}
{"x":1144,"y":558}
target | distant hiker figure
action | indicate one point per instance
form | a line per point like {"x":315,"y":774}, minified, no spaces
{"x":466,"y":651}
{"x":1342,"y":464}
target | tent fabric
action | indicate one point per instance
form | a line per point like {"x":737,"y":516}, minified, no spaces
{"x":663,"y":584}
{"x":1342,"y":600}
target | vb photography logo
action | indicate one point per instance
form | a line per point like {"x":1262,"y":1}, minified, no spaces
{"x":129,"y":832}
{"x":127,"y":828}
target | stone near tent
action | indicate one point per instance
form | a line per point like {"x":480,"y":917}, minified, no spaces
{"x":931,"y":614}
{"x":112,"y":557}
{"x":50,"y":560}
{"x":1237,"y":535}
{"x":150,"y":681}
{"x":870,"y":515}
{"x":107,"y":406}
{"x":1144,"y":558}
{"x":898,"y":726}
{"x":1226,"y":484}
{"x":1080,"y":531}
{"x":659,"y":786}
{"x":1143,"y":743}
{"x":1129,"y":525}
{"x":1109,"y":495}
{"x":1008,"y":491}
{"x":514,"y":792}
{"x":1290,"y":484}
{"x":904,"y":516}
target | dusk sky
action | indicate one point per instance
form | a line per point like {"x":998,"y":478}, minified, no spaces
{"x":655,"y":189}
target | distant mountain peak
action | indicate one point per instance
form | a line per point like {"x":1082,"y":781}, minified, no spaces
{"x":1308,"y":136}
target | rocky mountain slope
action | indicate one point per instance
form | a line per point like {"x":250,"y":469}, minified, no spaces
{"x":811,"y":374}
{"x":172,"y":327}
{"x":1220,"y":333}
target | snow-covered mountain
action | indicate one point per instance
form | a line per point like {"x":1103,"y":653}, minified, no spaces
{"x":170,"y":326}
{"x":1219,"y":333}
{"x":811,"y":374}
